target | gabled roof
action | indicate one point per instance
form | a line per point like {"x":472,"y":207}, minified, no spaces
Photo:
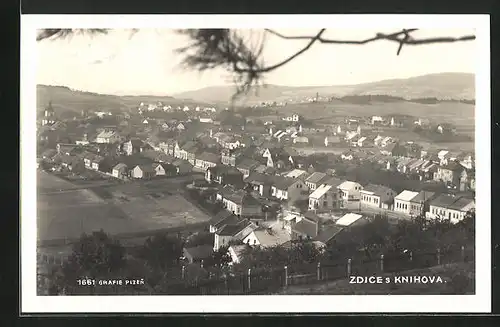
{"x":348,"y":219}
{"x":223,"y":169}
{"x":257,"y":178}
{"x":348,"y":185}
{"x":423,"y":196}
{"x":208,"y":157}
{"x":320,"y":191}
{"x":199,"y":252}
{"x":454,"y":166}
{"x":296,"y":173}
{"x":444,"y":200}
{"x":315,"y":177}
{"x":376,"y":189}
{"x":329,"y":233}
{"x":120,"y":166}
{"x":306,"y":227}
{"x":234,"y":229}
{"x":247,"y":163}
{"x":461,"y":203}
{"x":146,"y":168}
{"x":406,"y":195}
{"x":283,"y":183}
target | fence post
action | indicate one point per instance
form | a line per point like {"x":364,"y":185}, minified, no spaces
{"x":286,"y":276}
{"x":225,"y":283}
{"x":463,"y":253}
{"x":318,"y":272}
{"x":349,"y":264}
{"x":382,"y":262}
{"x":438,"y":256}
{"x":249,"y":279}
{"x":183,"y":272}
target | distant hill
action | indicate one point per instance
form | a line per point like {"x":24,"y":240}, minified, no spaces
{"x":440,"y":86}
{"x":66,"y":101}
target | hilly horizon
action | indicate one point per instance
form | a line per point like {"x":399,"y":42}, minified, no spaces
{"x":458,"y":86}
{"x":441,"y":86}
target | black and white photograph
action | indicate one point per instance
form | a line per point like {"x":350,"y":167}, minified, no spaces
{"x":193,"y":163}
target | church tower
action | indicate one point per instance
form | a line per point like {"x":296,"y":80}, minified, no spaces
{"x":48,"y":115}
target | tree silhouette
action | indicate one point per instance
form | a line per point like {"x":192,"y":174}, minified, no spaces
{"x":161,"y":251}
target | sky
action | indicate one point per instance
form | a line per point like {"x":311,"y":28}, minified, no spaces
{"x":145,"y":62}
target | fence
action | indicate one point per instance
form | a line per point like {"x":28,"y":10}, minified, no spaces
{"x":271,"y":280}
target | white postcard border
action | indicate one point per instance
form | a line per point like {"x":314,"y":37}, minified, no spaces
{"x":31,"y":303}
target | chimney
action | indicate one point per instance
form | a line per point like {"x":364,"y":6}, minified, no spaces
{"x":300,"y":128}
{"x":211,"y":133}
{"x":271,"y":131}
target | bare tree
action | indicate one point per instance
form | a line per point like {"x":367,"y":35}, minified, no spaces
{"x":226,"y":48}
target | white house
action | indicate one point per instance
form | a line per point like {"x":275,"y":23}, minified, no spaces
{"x":107,"y":137}
{"x":325,"y":197}
{"x":377,"y":196}
{"x":120,"y":170}
{"x":377,"y":120}
{"x":450,"y":207}
{"x":402,"y":202}
{"x":232,"y":232}
{"x":350,"y":191}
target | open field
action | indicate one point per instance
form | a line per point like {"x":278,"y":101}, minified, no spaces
{"x":459,"y":114}
{"x":124,"y":209}
{"x":457,"y":279}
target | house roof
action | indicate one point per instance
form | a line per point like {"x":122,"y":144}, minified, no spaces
{"x":271,"y":236}
{"x":234,"y":229}
{"x":106,"y":134}
{"x":320,"y":191}
{"x":454,"y":166}
{"x":257,"y":178}
{"x":208,"y":157}
{"x":348,"y":219}
{"x":406,"y":195}
{"x":444,"y":200}
{"x":306,"y":227}
{"x":348,"y":185}
{"x":120,"y":166}
{"x":296,"y":173}
{"x":220,"y":217}
{"x":283,"y":183}
{"x":247,"y":163}
{"x":328,"y":234}
{"x":461,"y":203}
{"x":310,"y":215}
{"x":146,"y":168}
{"x":376,"y":189}
{"x":223,"y":169}
{"x":315,"y":177}
{"x":199,"y":252}
{"x":422,"y":197}
{"x":239,"y":250}
{"x":334,"y":181}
